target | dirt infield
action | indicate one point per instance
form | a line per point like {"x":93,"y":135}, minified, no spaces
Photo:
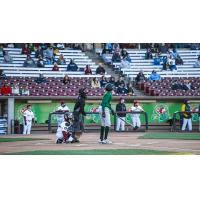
{"x":89,"y":141}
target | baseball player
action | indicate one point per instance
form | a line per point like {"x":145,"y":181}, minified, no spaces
{"x":78,"y":114}
{"x":104,"y":111}
{"x":64,"y":131}
{"x":187,"y":117}
{"x":62,"y":109}
{"x":136,"y":117}
{"x":121,"y":107}
{"x":28,"y":118}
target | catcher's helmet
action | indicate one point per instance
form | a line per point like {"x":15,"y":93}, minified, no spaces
{"x":68,"y":116}
{"x":109,"y":87}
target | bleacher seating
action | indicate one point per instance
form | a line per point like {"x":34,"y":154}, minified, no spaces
{"x":138,"y":62}
{"x":16,"y":67}
{"x":163,"y":87}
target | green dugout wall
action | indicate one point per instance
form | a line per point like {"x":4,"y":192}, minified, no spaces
{"x":158,"y":111}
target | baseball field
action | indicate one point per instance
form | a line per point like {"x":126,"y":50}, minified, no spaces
{"x":123,"y":144}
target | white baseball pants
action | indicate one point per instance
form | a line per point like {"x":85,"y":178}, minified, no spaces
{"x":136,"y":121}
{"x":120,"y":123}
{"x":27,"y":128}
{"x":185,"y":122}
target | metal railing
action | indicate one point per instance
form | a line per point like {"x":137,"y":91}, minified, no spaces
{"x":97,"y":113}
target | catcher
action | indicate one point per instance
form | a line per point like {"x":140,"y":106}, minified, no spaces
{"x":65,"y":130}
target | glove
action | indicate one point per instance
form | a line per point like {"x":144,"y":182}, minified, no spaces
{"x":103,"y":114}
{"x":112,"y":112}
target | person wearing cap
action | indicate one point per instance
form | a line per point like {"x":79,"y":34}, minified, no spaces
{"x":121,"y":107}
{"x":79,"y":113}
{"x":136,"y":116}
{"x":62,"y":109}
{"x":104,"y":111}
{"x":28,"y":118}
{"x":187,"y":116}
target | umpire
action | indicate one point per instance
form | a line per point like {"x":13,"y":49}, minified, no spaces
{"x":121,"y":107}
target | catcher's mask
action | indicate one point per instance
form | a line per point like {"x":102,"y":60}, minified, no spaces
{"x":68,"y":116}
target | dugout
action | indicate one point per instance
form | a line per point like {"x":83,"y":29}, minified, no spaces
{"x":159,"y":109}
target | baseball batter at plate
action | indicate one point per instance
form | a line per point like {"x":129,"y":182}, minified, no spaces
{"x":104,"y":111}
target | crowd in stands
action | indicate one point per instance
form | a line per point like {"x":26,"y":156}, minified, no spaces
{"x":44,"y":55}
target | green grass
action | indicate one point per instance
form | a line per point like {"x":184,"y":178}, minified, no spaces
{"x":19,"y":139}
{"x":98,"y":152}
{"x":180,"y":136}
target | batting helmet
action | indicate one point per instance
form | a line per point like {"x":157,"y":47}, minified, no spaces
{"x":109,"y":87}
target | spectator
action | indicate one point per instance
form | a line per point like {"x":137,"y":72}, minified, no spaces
{"x":163,"y":48}
{"x":72,"y":66}
{"x":88,"y":70}
{"x":55,"y":51}
{"x":25,"y":91}
{"x":7,"y":57}
{"x":95,"y":83}
{"x":116,"y":57}
{"x":39,"y":52}
{"x":26,"y":50}
{"x":197,"y":63}
{"x":6,"y":90}
{"x":187,"y":85}
{"x":195,"y":46}
{"x":120,"y":81}
{"x":100,"y":70}
{"x":108,"y":47}
{"x":125,"y":56}
{"x":176,"y":56}
{"x":176,"y":85}
{"x":171,"y":63}
{"x":2,"y":75}
{"x":112,"y":80}
{"x":154,"y":76}
{"x":49,"y":55}
{"x":122,"y":89}
{"x":29,"y":62}
{"x":40,"y":62}
{"x":61,"y":60}
{"x":15,"y":89}
{"x":156,"y":60}
{"x":140,"y":77}
{"x":66,"y":79}
{"x":55,"y":67}
{"x":40,"y":79}
{"x":103,"y":81}
{"x":148,"y":54}
{"x":130,"y":89}
{"x":165,"y":65}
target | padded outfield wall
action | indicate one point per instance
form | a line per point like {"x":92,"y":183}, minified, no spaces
{"x":158,"y":110}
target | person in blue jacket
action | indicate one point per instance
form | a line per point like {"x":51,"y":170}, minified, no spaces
{"x":72,"y":66}
{"x":154,"y":76}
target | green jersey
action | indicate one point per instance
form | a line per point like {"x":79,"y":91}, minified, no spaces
{"x":106,"y":101}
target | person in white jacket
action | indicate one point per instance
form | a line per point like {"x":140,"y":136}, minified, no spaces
{"x":136,"y":116}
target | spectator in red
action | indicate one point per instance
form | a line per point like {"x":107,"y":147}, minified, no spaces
{"x":5,"y":90}
{"x":88,"y":70}
{"x":55,"y":67}
{"x":26,"y":50}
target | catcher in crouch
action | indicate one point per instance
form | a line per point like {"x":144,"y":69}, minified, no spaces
{"x":65,"y":130}
{"x":104,"y":111}
{"x":79,"y":113}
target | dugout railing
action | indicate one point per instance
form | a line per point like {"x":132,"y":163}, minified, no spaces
{"x":177,"y":121}
{"x":145,"y":125}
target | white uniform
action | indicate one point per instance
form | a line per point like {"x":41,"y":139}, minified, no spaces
{"x":60,"y":117}
{"x":136,"y":117}
{"x":29,"y":115}
{"x":60,"y":129}
{"x":105,"y":121}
